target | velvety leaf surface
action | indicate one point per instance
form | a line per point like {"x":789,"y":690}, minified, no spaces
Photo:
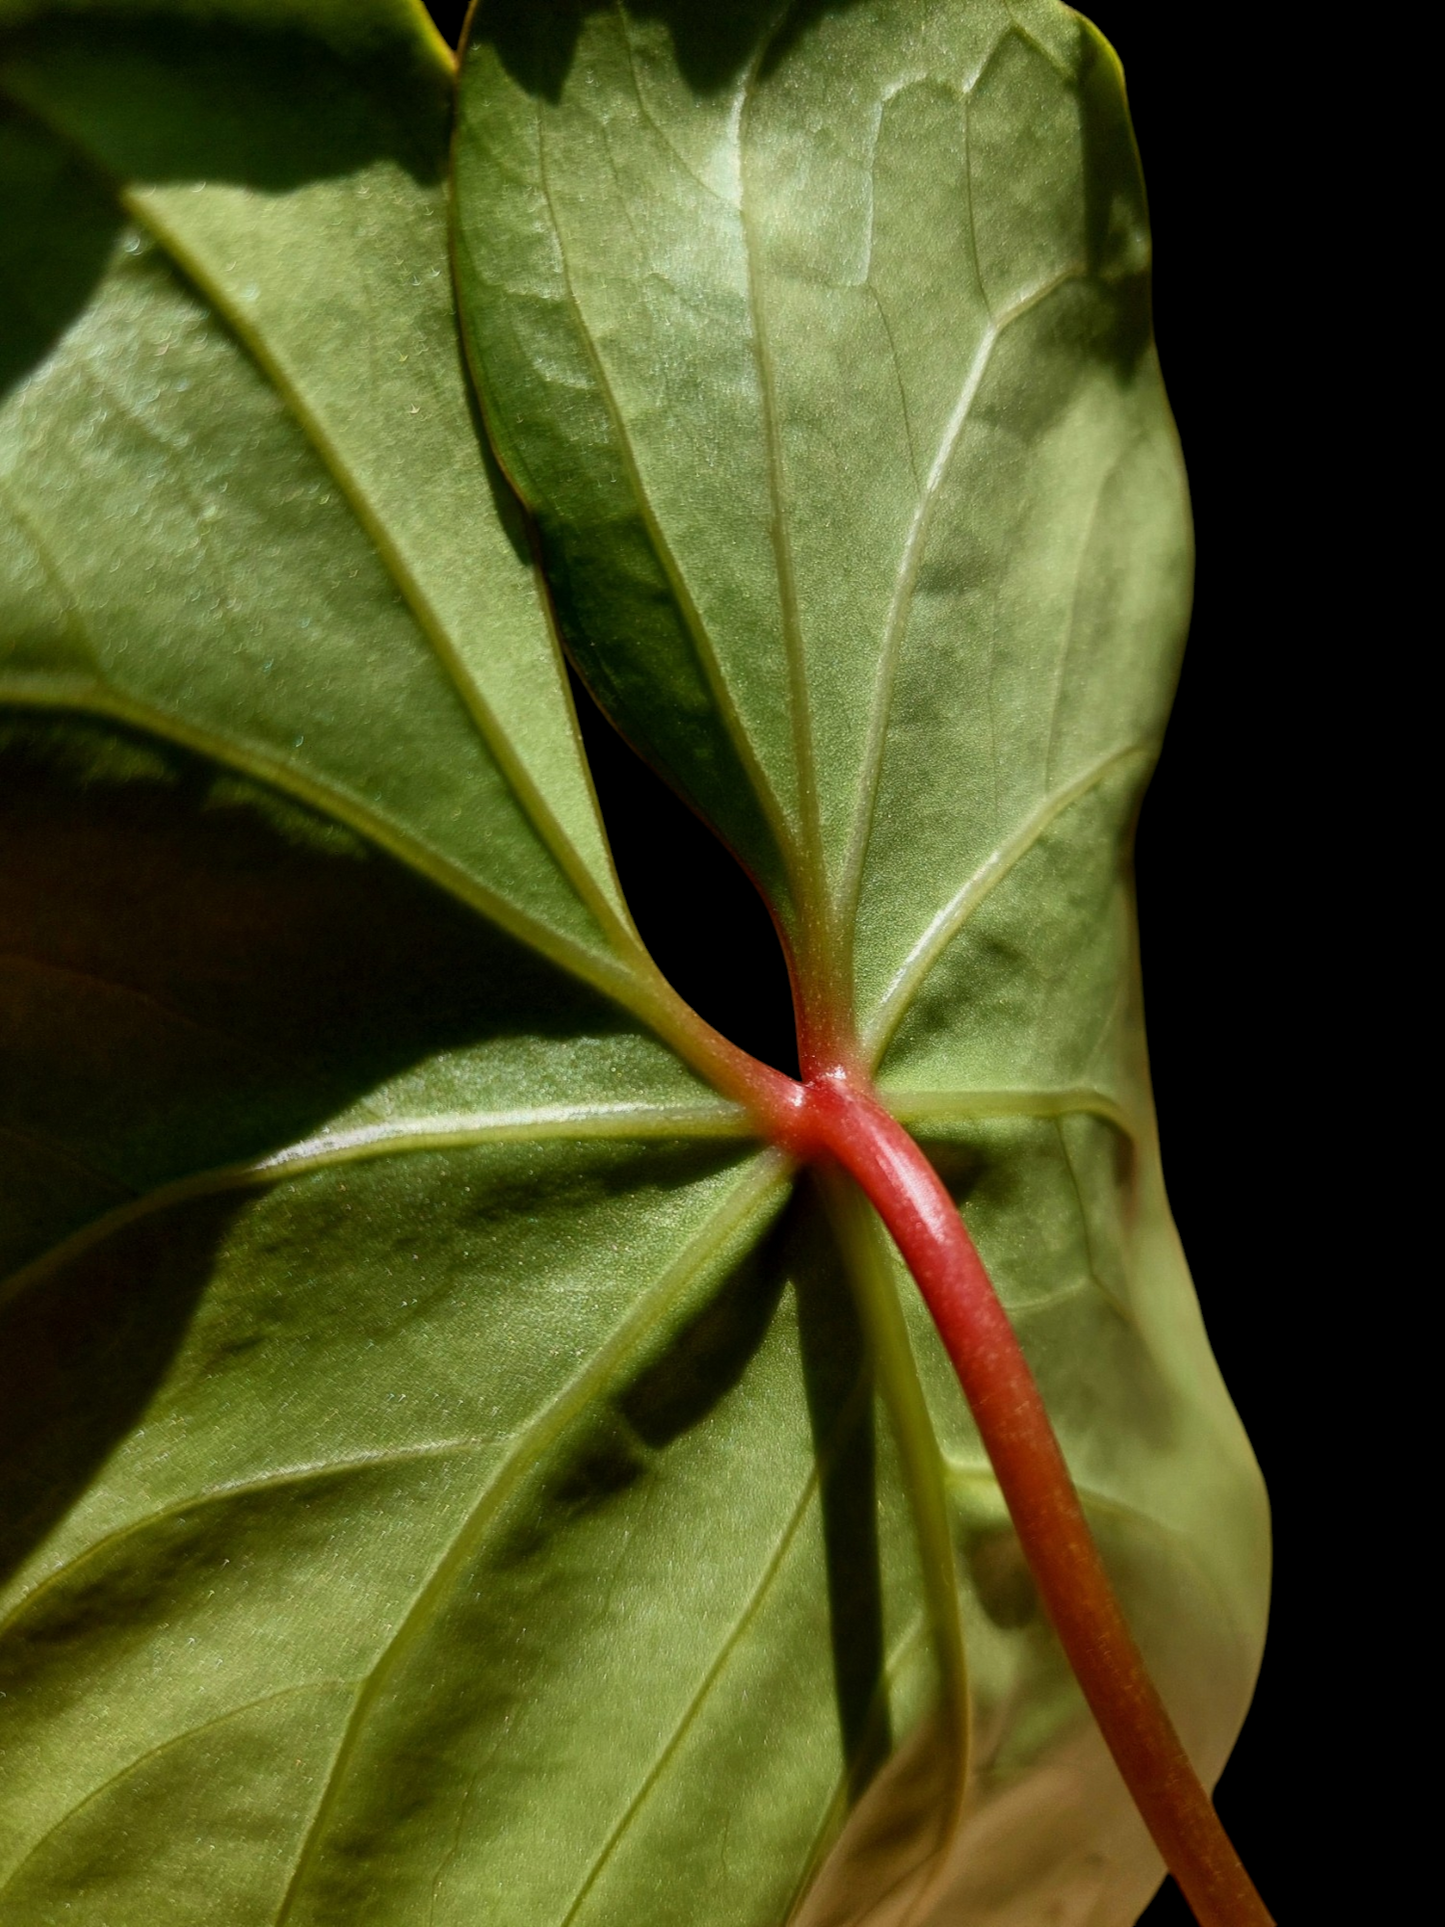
{"x":449,"y":1471}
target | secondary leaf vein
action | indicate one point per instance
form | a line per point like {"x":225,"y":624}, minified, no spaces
{"x":948,"y":921}
{"x":906,"y":577}
{"x":155,"y":1752}
{"x":747,"y":1202}
{"x":780,"y":531}
{"x":285,"y":1479}
{"x":428,"y":619}
{"x":396,"y":1137}
{"x":691,"y":616}
{"x":616,"y":978}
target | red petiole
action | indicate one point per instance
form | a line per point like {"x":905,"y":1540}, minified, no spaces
{"x":835,"y":1114}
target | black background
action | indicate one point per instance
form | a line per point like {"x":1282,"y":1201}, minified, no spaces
{"x":1232,"y":889}
{"x":1232,"y":885}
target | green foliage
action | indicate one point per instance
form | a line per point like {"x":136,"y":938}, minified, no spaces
{"x":450,"y":1470}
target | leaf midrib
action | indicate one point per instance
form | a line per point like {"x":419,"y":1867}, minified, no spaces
{"x":312,"y":425}
{"x":613,"y":976}
{"x":864,"y":1249}
{"x":622,"y":975}
{"x":398,"y":1137}
{"x":139,"y":206}
{"x":810,"y":842}
{"x":455,"y":1131}
{"x":695,"y":628}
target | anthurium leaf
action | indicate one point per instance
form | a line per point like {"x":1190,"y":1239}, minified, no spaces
{"x":419,"y":1393}
{"x":280,"y":1425}
{"x":381,"y":1508}
{"x":817,"y":338}
{"x":451,"y":1470}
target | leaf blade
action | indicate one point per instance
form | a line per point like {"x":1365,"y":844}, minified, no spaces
{"x":342,"y":367}
{"x":1017,"y":1048}
{"x":987,"y":562}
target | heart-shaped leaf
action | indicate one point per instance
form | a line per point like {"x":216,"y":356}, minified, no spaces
{"x":452,"y":1469}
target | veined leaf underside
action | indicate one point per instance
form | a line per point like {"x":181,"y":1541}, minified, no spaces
{"x":929,"y":1468}
{"x":750,"y":1201}
{"x":697,"y":630}
{"x":615,"y":974}
{"x":617,"y":979}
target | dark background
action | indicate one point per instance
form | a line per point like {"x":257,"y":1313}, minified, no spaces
{"x":1231,"y":872}
{"x":1229,"y":858}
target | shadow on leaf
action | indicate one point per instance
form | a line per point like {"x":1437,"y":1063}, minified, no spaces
{"x":160,"y":99}
{"x":713,"y":46}
{"x":192,"y":973}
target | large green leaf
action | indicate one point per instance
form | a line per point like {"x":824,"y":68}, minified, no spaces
{"x":817,"y":338}
{"x":451,"y":1471}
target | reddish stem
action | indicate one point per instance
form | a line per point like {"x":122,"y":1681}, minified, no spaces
{"x":904,"y":1189}
{"x":836,"y":1113}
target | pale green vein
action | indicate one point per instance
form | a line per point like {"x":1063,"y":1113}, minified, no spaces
{"x":897,"y":366}
{"x":813,"y":892}
{"x":691,"y":615}
{"x":288,"y":1478}
{"x":861,"y":1240}
{"x":1056,"y":696}
{"x":1027,"y":34}
{"x":818,"y":1472}
{"x":1094,"y":1280}
{"x":1176,"y":1542}
{"x":159,"y":1750}
{"x":906,"y":578}
{"x":392,"y":1139}
{"x":1044,"y":1307}
{"x":624,"y":982}
{"x":54,"y":577}
{"x":946,"y":925}
{"x":736,"y":1632}
{"x":525,"y":1125}
{"x":720,"y":1240}
{"x":645,"y":113}
{"x":144,"y":208}
{"x":969,"y":202}
{"x":961,"y":1107}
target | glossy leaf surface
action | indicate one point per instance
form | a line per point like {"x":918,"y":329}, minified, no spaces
{"x":451,"y":1470}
